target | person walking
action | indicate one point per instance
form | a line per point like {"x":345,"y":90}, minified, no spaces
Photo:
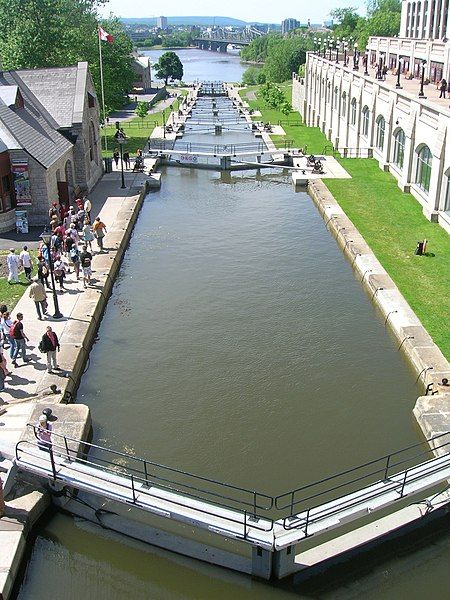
{"x":85,"y":261}
{"x":39,"y":296}
{"x":50,"y":345}
{"x":88,"y":208}
{"x":74,"y":256}
{"x":6,"y":323}
{"x":20,"y":339}
{"x":88,"y":236}
{"x":59,"y":271}
{"x":43,"y":272}
{"x":99,"y":232}
{"x":25,"y":260}
{"x":126,"y":159}
{"x":116,"y":157}
{"x":443,"y":88}
{"x":13,"y":261}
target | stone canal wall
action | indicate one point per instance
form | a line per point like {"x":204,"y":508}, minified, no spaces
{"x":429,"y":364}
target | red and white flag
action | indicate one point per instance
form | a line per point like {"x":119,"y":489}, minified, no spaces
{"x":104,"y":35}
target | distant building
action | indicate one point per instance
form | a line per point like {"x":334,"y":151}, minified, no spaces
{"x":289,"y":25}
{"x":161,"y":22}
{"x":49,"y":140}
{"x":143,"y":76}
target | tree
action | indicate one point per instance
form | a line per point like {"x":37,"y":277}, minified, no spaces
{"x":142,"y":110}
{"x":169,"y":66}
{"x":348,"y":21}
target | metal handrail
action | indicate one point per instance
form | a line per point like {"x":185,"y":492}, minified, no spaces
{"x":259,"y":500}
{"x":281,"y":501}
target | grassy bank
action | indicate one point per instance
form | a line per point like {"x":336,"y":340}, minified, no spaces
{"x":391,"y":222}
{"x":10,"y":294}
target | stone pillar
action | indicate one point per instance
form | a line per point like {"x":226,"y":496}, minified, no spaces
{"x":403,"y":22}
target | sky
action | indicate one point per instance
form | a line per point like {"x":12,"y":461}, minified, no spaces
{"x":246,"y":10}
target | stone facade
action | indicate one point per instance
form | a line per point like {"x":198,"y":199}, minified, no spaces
{"x":408,"y":136}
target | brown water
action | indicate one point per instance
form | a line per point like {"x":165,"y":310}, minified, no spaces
{"x":238,"y":345}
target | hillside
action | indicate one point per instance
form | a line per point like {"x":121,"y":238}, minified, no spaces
{"x":202,"y":21}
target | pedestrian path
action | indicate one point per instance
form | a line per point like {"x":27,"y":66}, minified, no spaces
{"x":28,"y":378}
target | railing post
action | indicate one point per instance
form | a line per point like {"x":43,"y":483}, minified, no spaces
{"x":145,"y":471}
{"x":387,"y":466}
{"x":254,"y":505}
{"x":52,"y":461}
{"x":292,"y":503}
{"x":307,"y":522}
{"x":245,"y":524}
{"x":404,"y":483}
{"x":67,"y":447}
{"x":133,"y":490}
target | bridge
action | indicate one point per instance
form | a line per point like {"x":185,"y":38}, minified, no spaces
{"x":120,"y":491}
{"x":219,"y":40}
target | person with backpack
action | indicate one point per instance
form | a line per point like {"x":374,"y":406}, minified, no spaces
{"x":59,"y":271}
{"x":49,"y":344}
{"x":43,"y":272}
{"x":74,"y":256}
{"x":86,"y":260}
{"x":5,"y":324}
{"x":16,"y":331}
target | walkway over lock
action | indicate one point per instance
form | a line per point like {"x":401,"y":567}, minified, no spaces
{"x":272,"y":525}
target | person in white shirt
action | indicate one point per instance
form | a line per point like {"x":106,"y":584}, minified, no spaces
{"x":13,"y":262}
{"x":87,"y":208}
{"x":25,"y":259}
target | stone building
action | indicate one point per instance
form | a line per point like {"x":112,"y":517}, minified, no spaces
{"x":142,"y":74}
{"x":49,"y":140}
{"x":405,"y":129}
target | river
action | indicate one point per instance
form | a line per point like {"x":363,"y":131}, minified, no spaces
{"x":237,"y":344}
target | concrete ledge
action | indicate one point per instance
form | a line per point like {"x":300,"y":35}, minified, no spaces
{"x":414,"y":342}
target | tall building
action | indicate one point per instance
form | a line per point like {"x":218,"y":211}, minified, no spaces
{"x":289,"y":25}
{"x":161,"y":22}
{"x":399,"y":119}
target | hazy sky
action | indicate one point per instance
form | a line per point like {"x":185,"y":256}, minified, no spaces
{"x":247,"y":10}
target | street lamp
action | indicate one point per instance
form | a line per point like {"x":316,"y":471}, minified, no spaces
{"x":330,"y":46}
{"x":338,"y":45}
{"x":345,"y":53}
{"x":366,"y":63}
{"x":355,"y":57}
{"x":164,"y":123}
{"x":121,"y":139}
{"x":46,"y":237}
{"x":421,"y":94}
{"x":399,"y":68}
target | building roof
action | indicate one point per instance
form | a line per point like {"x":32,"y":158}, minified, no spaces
{"x":70,"y":84}
{"x":32,"y":127}
{"x":8,"y":94}
{"x":7,"y":141}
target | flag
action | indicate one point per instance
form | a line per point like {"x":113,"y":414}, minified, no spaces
{"x":104,"y":35}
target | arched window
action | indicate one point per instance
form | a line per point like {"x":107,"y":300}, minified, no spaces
{"x":336,"y":97}
{"x":365,"y":121}
{"x":381,"y":126}
{"x":353,"y":112}
{"x":344,"y":104}
{"x":399,"y":148}
{"x":423,"y":170}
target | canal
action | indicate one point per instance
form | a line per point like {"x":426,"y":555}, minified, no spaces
{"x":238,"y":345}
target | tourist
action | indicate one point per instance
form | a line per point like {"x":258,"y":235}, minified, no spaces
{"x":99,"y":232}
{"x":85,"y":261}
{"x":3,"y":370}
{"x":4,"y":339}
{"x":5,"y":324}
{"x":50,"y":345}
{"x":116,"y":157}
{"x":74,"y":256}
{"x":87,"y":208}
{"x":17,"y":332}
{"x":443,"y":88}
{"x":27,"y":265}
{"x":13,"y":261}
{"x":73,"y":232}
{"x":44,"y":433}
{"x":88,"y":236}
{"x":2,"y":499}
{"x":59,"y":270}
{"x":126,"y":160}
{"x":43,"y":272}
{"x":52,"y":211}
{"x":38,"y":294}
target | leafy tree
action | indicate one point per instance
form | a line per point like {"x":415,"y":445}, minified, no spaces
{"x":285,"y":57}
{"x":169,"y":66}
{"x":142,"y":110}
{"x":257,"y":50}
{"x":253,"y":75}
{"x":180,"y":39}
{"x":348,"y":21}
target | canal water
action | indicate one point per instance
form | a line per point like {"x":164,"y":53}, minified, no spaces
{"x":237,"y":345}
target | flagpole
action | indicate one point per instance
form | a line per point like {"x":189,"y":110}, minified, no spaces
{"x":101,"y":83}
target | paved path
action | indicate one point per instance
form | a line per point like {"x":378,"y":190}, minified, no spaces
{"x":128,"y":113}
{"x":22,"y":385}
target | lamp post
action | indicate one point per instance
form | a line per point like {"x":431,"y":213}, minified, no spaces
{"x":315,"y":45}
{"x":422,"y":78}
{"x":345,"y":53}
{"x":338,"y":45}
{"x":366,"y":63}
{"x":399,"y":69}
{"x":46,"y":237}
{"x":164,"y":123}
{"x":355,"y":57}
{"x":330,"y":46}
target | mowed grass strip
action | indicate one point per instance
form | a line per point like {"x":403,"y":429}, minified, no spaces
{"x":391,"y":222}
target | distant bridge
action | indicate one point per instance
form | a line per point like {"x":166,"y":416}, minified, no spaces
{"x":219,"y":41}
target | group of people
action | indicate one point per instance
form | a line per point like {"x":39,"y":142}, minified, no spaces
{"x":70,"y":229}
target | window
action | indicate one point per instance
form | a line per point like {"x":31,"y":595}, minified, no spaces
{"x":365,"y":121}
{"x":381,"y":126}
{"x":353,"y":115}
{"x":399,"y":148}
{"x":423,"y":171}
{"x":344,"y":104}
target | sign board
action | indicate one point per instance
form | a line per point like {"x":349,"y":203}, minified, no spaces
{"x":189,"y":159}
{"x":19,"y":170}
{"x":21,"y":221}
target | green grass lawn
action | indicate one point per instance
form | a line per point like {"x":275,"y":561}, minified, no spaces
{"x":391,"y":222}
{"x":10,"y":294}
